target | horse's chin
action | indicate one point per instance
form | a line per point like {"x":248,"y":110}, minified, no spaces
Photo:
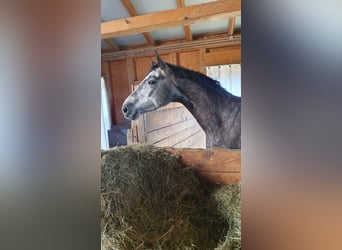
{"x":133,"y":116}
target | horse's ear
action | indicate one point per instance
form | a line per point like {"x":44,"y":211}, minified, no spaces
{"x":152,"y":63}
{"x":161,"y":63}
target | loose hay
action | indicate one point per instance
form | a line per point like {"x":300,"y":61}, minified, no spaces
{"x":229,"y":205}
{"x":150,"y":201}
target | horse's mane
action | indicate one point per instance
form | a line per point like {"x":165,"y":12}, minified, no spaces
{"x":201,"y":79}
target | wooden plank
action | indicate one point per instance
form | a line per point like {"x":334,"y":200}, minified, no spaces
{"x":172,"y":105}
{"x":143,"y":65}
{"x":220,"y":179}
{"x":218,"y":160}
{"x":231,"y":26}
{"x":132,"y":12}
{"x":175,"y":46}
{"x":120,"y":88}
{"x":197,"y":140}
{"x":228,"y":56}
{"x":186,"y":27}
{"x":165,"y":132}
{"x":174,"y":58}
{"x":171,"y":18}
{"x":166,"y":117}
{"x":178,"y":137}
{"x":205,"y":163}
{"x":190,"y":60}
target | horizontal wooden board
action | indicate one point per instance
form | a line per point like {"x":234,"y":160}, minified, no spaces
{"x":165,"y":132}
{"x":212,"y":160}
{"x":219,"y":178}
{"x":196,"y":140}
{"x":215,"y":165}
{"x":229,"y":55}
{"x":166,"y":117}
{"x":179,"y":136}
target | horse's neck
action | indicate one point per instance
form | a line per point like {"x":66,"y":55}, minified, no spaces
{"x":218,"y":113}
{"x":205,"y":106}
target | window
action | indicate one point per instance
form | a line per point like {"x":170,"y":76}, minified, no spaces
{"x":229,"y":77}
{"x":105,"y":116}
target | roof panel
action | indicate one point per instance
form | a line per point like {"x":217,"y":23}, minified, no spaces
{"x":170,"y":33}
{"x":209,"y":26}
{"x":130,"y":40}
{"x":111,"y":10}
{"x":149,"y":6}
{"x":194,"y":2}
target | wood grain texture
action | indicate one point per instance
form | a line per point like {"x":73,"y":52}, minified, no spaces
{"x":215,"y":165}
{"x":186,"y":27}
{"x":120,"y":88}
{"x":171,"y":18}
{"x":228,"y":55}
{"x":132,"y":12}
{"x":231,"y":24}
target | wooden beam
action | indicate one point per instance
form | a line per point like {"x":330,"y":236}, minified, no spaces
{"x":171,"y":18}
{"x":111,"y":44}
{"x":230,"y":55}
{"x":186,"y":27}
{"x":215,"y":165}
{"x":132,"y":12}
{"x":174,"y":47}
{"x":231,"y":26}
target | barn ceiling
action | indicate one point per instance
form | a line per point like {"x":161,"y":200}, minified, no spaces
{"x":140,"y":25}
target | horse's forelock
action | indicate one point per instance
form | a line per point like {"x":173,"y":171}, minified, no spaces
{"x":154,"y":67}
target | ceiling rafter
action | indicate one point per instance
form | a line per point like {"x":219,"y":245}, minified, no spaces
{"x":186,"y":27}
{"x":171,"y":18}
{"x":131,"y":10}
{"x":231,"y":25}
{"x":111,"y":44}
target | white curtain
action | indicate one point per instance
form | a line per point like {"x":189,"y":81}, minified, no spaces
{"x":105,"y":116}
{"x":229,"y":77}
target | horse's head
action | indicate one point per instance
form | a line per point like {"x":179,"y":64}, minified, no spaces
{"x":155,"y":91}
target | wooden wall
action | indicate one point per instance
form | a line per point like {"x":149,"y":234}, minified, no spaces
{"x":173,"y":125}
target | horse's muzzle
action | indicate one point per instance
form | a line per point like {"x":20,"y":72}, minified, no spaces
{"x":129,"y":112}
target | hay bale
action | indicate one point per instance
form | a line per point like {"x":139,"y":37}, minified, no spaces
{"x":150,"y":201}
{"x":228,"y":200}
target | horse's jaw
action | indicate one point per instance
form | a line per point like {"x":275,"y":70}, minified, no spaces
{"x":132,"y":115}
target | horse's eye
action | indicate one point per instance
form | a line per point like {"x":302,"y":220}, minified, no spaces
{"x":151,"y":82}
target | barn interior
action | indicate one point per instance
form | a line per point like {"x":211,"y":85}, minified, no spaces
{"x":201,"y":35}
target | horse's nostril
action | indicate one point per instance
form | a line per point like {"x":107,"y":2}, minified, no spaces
{"x":124,"y":109}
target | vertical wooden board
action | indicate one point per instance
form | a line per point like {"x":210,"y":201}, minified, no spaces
{"x":174,"y":58}
{"x":131,"y":71}
{"x":142,"y":66}
{"x":141,"y":129}
{"x":166,"y":57}
{"x":190,"y":60}
{"x":103,"y":69}
{"x":203,"y":70}
{"x":120,"y":87}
